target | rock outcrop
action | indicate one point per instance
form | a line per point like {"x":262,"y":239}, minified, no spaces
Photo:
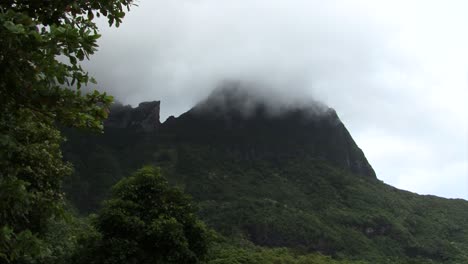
{"x":144,"y":117}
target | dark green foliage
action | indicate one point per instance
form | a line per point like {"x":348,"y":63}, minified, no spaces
{"x":99,"y":166}
{"x":32,"y":170}
{"x":233,"y":253}
{"x":303,"y":203}
{"x":147,"y":221}
{"x":295,"y":180}
{"x":38,"y":92}
{"x":64,"y":238}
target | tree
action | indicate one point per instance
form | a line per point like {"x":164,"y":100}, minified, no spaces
{"x":148,"y":221}
{"x":41,"y":46}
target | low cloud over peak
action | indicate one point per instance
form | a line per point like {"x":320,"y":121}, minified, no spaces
{"x":247,"y":99}
{"x":395,"y":71}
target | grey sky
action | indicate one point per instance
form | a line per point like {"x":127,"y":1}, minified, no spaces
{"x":395,"y":71}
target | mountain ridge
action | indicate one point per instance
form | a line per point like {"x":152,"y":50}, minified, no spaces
{"x":312,"y":128}
{"x":277,"y":180}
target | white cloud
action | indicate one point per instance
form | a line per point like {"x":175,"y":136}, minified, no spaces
{"x":395,"y":71}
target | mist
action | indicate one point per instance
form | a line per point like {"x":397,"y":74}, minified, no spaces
{"x":396,"y":72}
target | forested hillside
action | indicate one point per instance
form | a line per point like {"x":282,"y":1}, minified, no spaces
{"x":275,"y":185}
{"x":238,"y":179}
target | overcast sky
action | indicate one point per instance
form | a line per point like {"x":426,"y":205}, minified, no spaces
{"x":395,"y":71}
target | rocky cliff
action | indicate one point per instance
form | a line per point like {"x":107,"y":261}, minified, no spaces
{"x":238,"y":120}
{"x":144,"y":117}
{"x":244,"y":122}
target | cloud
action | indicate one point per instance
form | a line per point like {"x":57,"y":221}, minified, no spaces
{"x":172,"y":49}
{"x":395,"y":71}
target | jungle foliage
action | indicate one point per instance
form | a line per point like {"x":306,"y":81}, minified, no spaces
{"x":41,"y":46}
{"x":296,"y":203}
{"x":267,"y":201}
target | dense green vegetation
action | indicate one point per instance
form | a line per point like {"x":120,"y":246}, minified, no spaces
{"x":147,"y":221}
{"x":280,"y":205}
{"x":41,"y":46}
{"x":240,"y":252}
{"x":290,"y":189}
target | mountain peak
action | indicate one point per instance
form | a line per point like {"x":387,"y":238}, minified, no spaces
{"x":237,"y":99}
{"x":144,"y":117}
{"x":243,"y":120}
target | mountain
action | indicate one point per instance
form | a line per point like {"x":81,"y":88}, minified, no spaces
{"x":145,"y":117}
{"x":291,"y":178}
{"x":235,"y":118}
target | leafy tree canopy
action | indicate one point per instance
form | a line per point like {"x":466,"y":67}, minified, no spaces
{"x":148,"y":221}
{"x":41,"y":46}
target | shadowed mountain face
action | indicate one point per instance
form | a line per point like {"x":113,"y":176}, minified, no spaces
{"x":239,"y":120}
{"x":144,"y":117}
{"x":276,"y":175}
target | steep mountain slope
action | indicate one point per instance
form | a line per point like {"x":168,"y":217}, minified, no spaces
{"x":292,"y":178}
{"x":231,"y":118}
